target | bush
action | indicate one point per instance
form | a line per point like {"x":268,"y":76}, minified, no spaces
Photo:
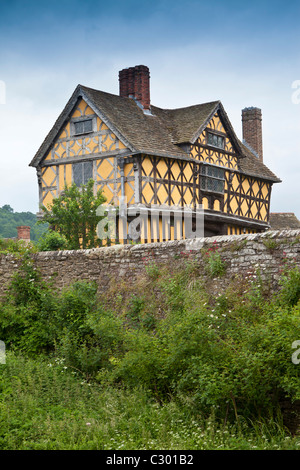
{"x":290,"y":287}
{"x":222,"y":353}
{"x":52,"y":241}
{"x":230,"y":355}
{"x":214,"y":265}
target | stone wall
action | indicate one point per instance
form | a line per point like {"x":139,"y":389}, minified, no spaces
{"x":269,"y":252}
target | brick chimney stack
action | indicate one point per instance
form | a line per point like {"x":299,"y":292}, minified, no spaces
{"x":252,"y":130}
{"x":135,"y":83}
{"x":24,"y":233}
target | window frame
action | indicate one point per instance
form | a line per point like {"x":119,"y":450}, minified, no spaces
{"x":219,"y":136}
{"x":83,"y":120}
{"x":205,"y":177}
{"x":83,"y":179}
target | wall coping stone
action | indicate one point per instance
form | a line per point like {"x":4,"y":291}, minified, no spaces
{"x":200,"y":242}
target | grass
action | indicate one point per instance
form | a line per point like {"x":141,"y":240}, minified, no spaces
{"x":46,"y":406}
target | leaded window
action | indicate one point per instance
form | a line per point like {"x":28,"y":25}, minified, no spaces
{"x":215,"y":140}
{"x":83,"y":127}
{"x":212,"y":178}
{"x":82,"y":172}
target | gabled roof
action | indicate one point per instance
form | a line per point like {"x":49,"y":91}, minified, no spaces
{"x":160,"y":133}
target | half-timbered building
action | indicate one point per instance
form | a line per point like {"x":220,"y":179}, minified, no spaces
{"x":162,"y":158}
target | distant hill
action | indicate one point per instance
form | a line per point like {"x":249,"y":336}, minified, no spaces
{"x":10,"y":220}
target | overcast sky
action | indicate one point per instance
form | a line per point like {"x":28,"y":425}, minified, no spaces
{"x":244,"y":54}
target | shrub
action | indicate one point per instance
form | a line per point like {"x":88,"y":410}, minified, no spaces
{"x":52,"y":241}
{"x":27,"y":311}
{"x":214,"y":265}
{"x":290,"y":287}
{"x":231,"y":353}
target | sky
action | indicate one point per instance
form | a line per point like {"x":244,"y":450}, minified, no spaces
{"x":242,"y":53}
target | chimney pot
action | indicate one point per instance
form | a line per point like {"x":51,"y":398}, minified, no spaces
{"x":252,"y":129}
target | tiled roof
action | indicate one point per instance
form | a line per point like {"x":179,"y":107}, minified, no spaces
{"x":251,"y":165}
{"x":146,"y":133}
{"x":159,"y":133}
{"x":184,"y":123}
{"x":284,"y":220}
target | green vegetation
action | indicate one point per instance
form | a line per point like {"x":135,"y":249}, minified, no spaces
{"x":52,"y":241}
{"x":163,"y":365}
{"x":214,"y":265}
{"x":74,"y":214}
{"x":10,"y":220}
{"x":70,"y":222}
{"x":46,"y":406}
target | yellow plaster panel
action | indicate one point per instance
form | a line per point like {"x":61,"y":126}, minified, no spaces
{"x":68,"y":174}
{"x":61,"y":177}
{"x":48,"y":199}
{"x":217,"y":205}
{"x":216,"y":124}
{"x":246,"y":185}
{"x":105,"y":168}
{"x":82,"y":109}
{"x":109,"y":142}
{"x":234,"y":205}
{"x":205,"y":203}
{"x":162,"y":169}
{"x":188,"y":172}
{"x":129,"y":192}
{"x":101,"y":126}
{"x":193,"y":152}
{"x":91,"y":145}
{"x":147,"y":166}
{"x":263,"y":212}
{"x":128,"y":169}
{"x":188,"y":197}
{"x":162,"y":195}
{"x":49,"y":177}
{"x":60,"y":150}
{"x":255,"y":188}
{"x":147,"y":193}
{"x":65,"y":132}
{"x":264,"y":191}
{"x":175,"y":195}
{"x":107,"y":192}
{"x":75,"y":147}
{"x":235,"y":182}
{"x":244,"y":207}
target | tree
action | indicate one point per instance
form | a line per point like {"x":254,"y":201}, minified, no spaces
{"x":74,"y":215}
{"x":7,"y":208}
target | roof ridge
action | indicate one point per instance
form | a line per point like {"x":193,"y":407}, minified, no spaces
{"x":187,"y":107}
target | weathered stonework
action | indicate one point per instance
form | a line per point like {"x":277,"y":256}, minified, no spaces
{"x":267,"y":251}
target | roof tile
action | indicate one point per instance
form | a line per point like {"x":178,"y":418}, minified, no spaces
{"x":159,"y":133}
